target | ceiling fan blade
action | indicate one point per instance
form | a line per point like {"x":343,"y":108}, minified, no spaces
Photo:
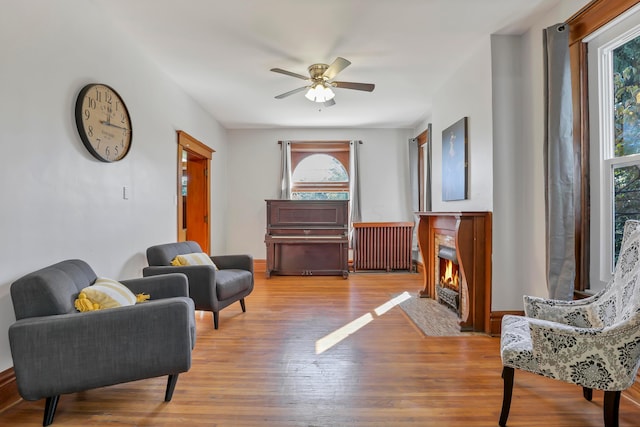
{"x":329,"y":103}
{"x":291,"y":92}
{"x":336,"y":66}
{"x":357,"y":86}
{"x":289,"y":73}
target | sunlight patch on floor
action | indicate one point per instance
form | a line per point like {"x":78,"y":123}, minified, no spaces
{"x":392,"y":303}
{"x":328,"y":341}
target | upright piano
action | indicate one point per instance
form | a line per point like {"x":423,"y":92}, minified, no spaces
{"x":307,"y":237}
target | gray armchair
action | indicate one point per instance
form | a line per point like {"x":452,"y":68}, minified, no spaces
{"x":57,"y":350}
{"x":211,"y":289}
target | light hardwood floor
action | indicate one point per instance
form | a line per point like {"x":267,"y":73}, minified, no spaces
{"x":261,"y":368}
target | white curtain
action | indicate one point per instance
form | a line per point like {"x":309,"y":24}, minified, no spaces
{"x":559,"y":164}
{"x":354,"y":185}
{"x":285,"y":170}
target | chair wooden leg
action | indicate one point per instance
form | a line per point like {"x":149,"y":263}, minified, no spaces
{"x":587,"y":393}
{"x":171,"y":385}
{"x":50,"y":409}
{"x":507,"y":376}
{"x":611,"y":408}
{"x":244,"y":308}
{"x":216,"y":319}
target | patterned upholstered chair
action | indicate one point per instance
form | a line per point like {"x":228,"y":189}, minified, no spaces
{"x":594,"y":342}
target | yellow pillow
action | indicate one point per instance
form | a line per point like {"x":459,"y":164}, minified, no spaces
{"x":196,"y":258}
{"x":106,"y":293}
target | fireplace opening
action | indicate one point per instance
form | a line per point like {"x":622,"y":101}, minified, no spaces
{"x":448,"y":279}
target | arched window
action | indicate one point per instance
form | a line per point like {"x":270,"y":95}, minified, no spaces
{"x":320,"y":171}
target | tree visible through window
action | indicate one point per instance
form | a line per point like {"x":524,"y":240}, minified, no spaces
{"x":320,"y":171}
{"x":626,"y":173}
{"x":600,"y":25}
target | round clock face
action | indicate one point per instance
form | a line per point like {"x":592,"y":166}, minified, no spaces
{"x":103,"y":122}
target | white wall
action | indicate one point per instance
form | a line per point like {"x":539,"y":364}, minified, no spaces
{"x":507,"y":84}
{"x":529,"y":160}
{"x":254,"y":162}
{"x":467,"y":93}
{"x":58,"y":201}
{"x":500,"y":88}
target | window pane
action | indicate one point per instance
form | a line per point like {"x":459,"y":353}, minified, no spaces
{"x":626,"y":187}
{"x":320,"y":168}
{"x":320,"y":195}
{"x":626,"y":80}
{"x":614,"y":131}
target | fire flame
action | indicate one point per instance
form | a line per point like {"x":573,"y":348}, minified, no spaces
{"x":450,"y":278}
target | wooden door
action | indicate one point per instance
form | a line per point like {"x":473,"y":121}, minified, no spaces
{"x":194,"y":159}
{"x":197,"y":212}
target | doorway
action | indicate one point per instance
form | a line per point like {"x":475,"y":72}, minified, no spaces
{"x":424,"y":170}
{"x":194,"y":159}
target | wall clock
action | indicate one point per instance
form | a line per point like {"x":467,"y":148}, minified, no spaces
{"x":103,"y":122}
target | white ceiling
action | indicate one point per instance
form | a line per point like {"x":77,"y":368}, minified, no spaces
{"x":221,"y":51}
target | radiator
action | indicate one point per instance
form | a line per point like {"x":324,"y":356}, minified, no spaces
{"x":382,"y":246}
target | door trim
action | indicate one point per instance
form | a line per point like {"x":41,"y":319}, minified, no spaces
{"x":188,"y":143}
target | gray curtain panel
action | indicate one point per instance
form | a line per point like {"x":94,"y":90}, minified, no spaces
{"x":559,"y":164}
{"x":354,"y":186}
{"x":285,"y":170}
{"x":414,"y":177}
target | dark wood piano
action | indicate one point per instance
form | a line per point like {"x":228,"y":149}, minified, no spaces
{"x":307,"y":237}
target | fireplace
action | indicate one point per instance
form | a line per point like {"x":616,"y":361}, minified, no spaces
{"x":456,"y":252}
{"x":448,"y":278}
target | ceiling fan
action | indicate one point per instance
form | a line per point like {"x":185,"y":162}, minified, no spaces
{"x":321,"y":82}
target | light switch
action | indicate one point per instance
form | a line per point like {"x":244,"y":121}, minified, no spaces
{"x":125,"y":193}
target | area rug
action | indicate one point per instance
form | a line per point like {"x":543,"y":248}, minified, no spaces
{"x":431,"y":317}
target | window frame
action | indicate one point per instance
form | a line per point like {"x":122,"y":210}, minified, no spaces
{"x":339,"y":150}
{"x":605,"y":162}
{"x":590,"y":18}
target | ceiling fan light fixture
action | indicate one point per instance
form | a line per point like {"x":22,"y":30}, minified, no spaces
{"x":311,"y":94}
{"x":328,"y":94}
{"x":319,"y":93}
{"x":321,"y":82}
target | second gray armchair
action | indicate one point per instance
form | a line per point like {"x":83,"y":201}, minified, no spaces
{"x":212,"y":288}
{"x":57,"y":350}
